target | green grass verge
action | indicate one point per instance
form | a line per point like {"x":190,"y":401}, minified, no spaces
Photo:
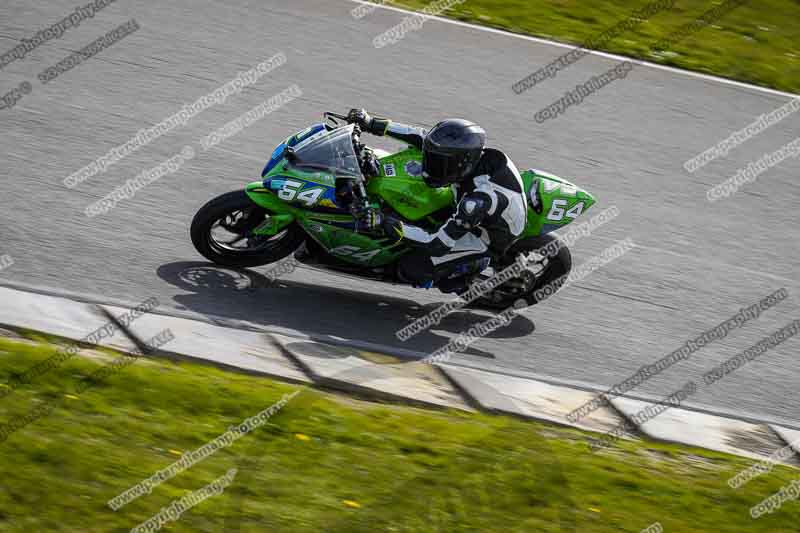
{"x":401,"y":469}
{"x":758,"y":42}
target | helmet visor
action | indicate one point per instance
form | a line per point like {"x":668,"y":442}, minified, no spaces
{"x":441,"y":168}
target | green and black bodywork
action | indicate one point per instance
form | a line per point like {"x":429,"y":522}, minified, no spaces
{"x":301,"y":197}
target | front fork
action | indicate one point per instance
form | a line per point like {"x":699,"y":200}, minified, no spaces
{"x":273,"y":225}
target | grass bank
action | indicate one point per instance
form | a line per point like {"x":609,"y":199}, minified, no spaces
{"x":326,"y":462}
{"x":758,"y":42}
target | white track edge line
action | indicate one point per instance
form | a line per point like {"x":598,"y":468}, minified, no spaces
{"x":607,"y":55}
{"x":89,"y":298}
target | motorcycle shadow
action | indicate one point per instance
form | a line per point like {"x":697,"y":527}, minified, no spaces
{"x":322,"y":310}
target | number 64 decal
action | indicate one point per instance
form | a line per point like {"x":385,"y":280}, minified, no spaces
{"x":557,"y":211}
{"x":289,"y":192}
{"x":355,"y":252}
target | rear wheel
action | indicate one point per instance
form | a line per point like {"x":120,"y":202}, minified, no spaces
{"x":544,"y":276}
{"x":222,"y":231}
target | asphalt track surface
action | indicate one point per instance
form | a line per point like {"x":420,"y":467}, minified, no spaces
{"x":696,"y":263}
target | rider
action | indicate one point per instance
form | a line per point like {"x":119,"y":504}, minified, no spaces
{"x":490,"y":197}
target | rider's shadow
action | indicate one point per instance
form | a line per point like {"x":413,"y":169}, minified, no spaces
{"x":334,"y":312}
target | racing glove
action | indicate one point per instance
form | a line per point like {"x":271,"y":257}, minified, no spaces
{"x":375,"y":126}
{"x":392,"y":227}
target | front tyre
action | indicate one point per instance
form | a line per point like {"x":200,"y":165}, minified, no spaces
{"x":222,"y":231}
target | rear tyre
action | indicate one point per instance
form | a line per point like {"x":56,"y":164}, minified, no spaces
{"x":222,"y":231}
{"x":556,"y":268}
{"x":545,"y":276}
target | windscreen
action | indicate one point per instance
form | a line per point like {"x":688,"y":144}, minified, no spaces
{"x":333,"y":151}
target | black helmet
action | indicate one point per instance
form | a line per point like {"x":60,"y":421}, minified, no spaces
{"x":450,"y":151}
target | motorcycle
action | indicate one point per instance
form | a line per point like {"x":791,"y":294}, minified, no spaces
{"x":320,"y":182}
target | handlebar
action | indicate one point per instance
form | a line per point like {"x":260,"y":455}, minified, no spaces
{"x":335,"y":116}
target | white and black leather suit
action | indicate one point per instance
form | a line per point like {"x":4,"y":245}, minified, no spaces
{"x":490,"y":212}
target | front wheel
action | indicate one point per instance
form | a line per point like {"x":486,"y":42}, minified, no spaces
{"x":222,"y":231}
{"x":546,"y":273}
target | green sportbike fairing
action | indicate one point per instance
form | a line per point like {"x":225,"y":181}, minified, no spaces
{"x":304,"y":197}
